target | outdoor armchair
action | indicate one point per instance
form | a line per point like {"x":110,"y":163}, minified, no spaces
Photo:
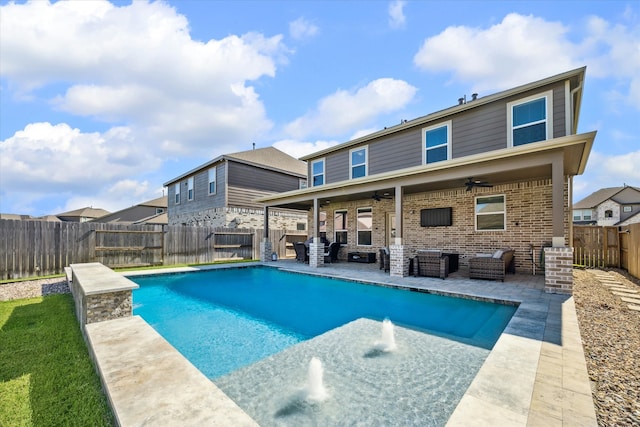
{"x":431,"y":263}
{"x":491,"y":266}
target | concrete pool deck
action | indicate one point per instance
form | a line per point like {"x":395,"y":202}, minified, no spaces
{"x":535,"y":375}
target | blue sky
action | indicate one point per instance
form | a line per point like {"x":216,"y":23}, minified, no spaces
{"x":102,"y":102}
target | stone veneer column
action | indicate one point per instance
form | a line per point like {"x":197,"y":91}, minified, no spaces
{"x":265,"y":250}
{"x":558,"y":270}
{"x":399,"y":261}
{"x":316,"y":254}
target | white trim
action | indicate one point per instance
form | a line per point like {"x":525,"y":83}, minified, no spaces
{"x":366,"y":161}
{"x":476,"y":214}
{"x":215,"y":180}
{"x":346,"y":225}
{"x":567,"y":108}
{"x":324,"y":176}
{"x":548,"y":97}
{"x":424,"y":131}
{"x":176,"y":190}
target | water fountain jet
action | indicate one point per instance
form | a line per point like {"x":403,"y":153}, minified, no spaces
{"x":387,"y":342}
{"x":315,"y":390}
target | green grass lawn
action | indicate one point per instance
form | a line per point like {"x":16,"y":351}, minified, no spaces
{"x":46,"y":375}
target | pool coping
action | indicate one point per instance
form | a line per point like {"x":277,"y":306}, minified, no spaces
{"x":535,"y":374}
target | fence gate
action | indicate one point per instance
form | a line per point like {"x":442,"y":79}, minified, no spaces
{"x":595,"y":246}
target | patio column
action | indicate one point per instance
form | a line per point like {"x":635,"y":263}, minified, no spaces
{"x":398,"y":257}
{"x":316,"y":247}
{"x":265,"y":244}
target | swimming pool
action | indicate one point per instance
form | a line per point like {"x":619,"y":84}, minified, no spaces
{"x":252,"y":330}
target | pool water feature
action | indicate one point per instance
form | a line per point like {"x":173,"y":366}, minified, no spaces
{"x":254,"y":330}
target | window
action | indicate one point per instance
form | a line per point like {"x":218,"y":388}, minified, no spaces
{"x":490,"y":213}
{"x":317,"y":172}
{"x":190,"y":188}
{"x":530,"y":119}
{"x":626,"y":209}
{"x":302,"y":184}
{"x":177,"y":191}
{"x":358,"y":162}
{"x":301,"y":226}
{"x":608,"y":213}
{"x":212,"y":180}
{"x":322,"y":224}
{"x":365,"y":225}
{"x":582,"y":215}
{"x":436,"y":143}
{"x":159,"y":211}
{"x":340,"y":226}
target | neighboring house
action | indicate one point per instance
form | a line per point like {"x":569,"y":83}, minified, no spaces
{"x":149,"y":212}
{"x":82,"y":215}
{"x":489,"y":173}
{"x":49,"y":218}
{"x":609,"y":206}
{"x":222,"y":192}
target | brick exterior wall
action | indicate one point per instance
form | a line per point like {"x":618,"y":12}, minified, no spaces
{"x":528,"y":221}
{"x":241,"y":218}
{"x":558,"y":270}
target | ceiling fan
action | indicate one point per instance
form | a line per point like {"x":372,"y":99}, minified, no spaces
{"x":377,"y":197}
{"x":476,"y":183}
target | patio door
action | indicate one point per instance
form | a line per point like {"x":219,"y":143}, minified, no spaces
{"x":391,"y":229}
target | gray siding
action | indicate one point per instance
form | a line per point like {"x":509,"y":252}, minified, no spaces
{"x":250,"y":177}
{"x":244,"y":197}
{"x":477,"y":130}
{"x":201,"y":198}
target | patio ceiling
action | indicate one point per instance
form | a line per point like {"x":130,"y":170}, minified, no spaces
{"x":533,"y":161}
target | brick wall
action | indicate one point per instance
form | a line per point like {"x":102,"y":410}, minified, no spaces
{"x":558,"y":270}
{"x":528,"y":221}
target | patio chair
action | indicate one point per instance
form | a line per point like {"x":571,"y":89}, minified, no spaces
{"x":385,"y":259}
{"x":301,"y":252}
{"x":431,"y":263}
{"x":331,"y":254}
{"x":492,"y":266}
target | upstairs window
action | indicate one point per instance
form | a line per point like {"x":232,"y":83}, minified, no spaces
{"x":365,"y":225}
{"x":212,"y":180}
{"x":340,"y":226}
{"x":177,"y":191}
{"x":436,"y":143}
{"x":530,"y":119}
{"x":490,"y":213}
{"x":317,"y":172}
{"x":582,"y":215}
{"x":608,"y":213}
{"x":190,"y":189}
{"x":358,"y":162}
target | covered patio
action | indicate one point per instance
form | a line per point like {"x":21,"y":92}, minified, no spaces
{"x":534,"y":181}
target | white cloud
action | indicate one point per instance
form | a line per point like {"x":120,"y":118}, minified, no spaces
{"x":396,"y":14}
{"x":298,"y":149}
{"x":517,"y":50}
{"x":44,"y":160}
{"x":522,"y":48}
{"x":608,"y":171}
{"x":137,"y":65}
{"x":344,"y":110}
{"x":302,"y":29}
{"x":122,"y":194}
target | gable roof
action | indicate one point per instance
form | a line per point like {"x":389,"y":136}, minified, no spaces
{"x":622,"y":195}
{"x":267,"y":158}
{"x":578,"y":74}
{"x":88,"y":212}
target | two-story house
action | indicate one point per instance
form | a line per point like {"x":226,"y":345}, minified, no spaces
{"x":492,"y":172}
{"x":222,"y":192}
{"x":615,"y":206}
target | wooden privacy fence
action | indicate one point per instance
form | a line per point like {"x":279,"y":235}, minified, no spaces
{"x":39,"y":248}
{"x":601,"y":247}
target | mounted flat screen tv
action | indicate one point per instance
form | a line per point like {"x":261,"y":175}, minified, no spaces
{"x":436,"y":217}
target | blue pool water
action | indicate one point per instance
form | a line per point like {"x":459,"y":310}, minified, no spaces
{"x":226,"y":319}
